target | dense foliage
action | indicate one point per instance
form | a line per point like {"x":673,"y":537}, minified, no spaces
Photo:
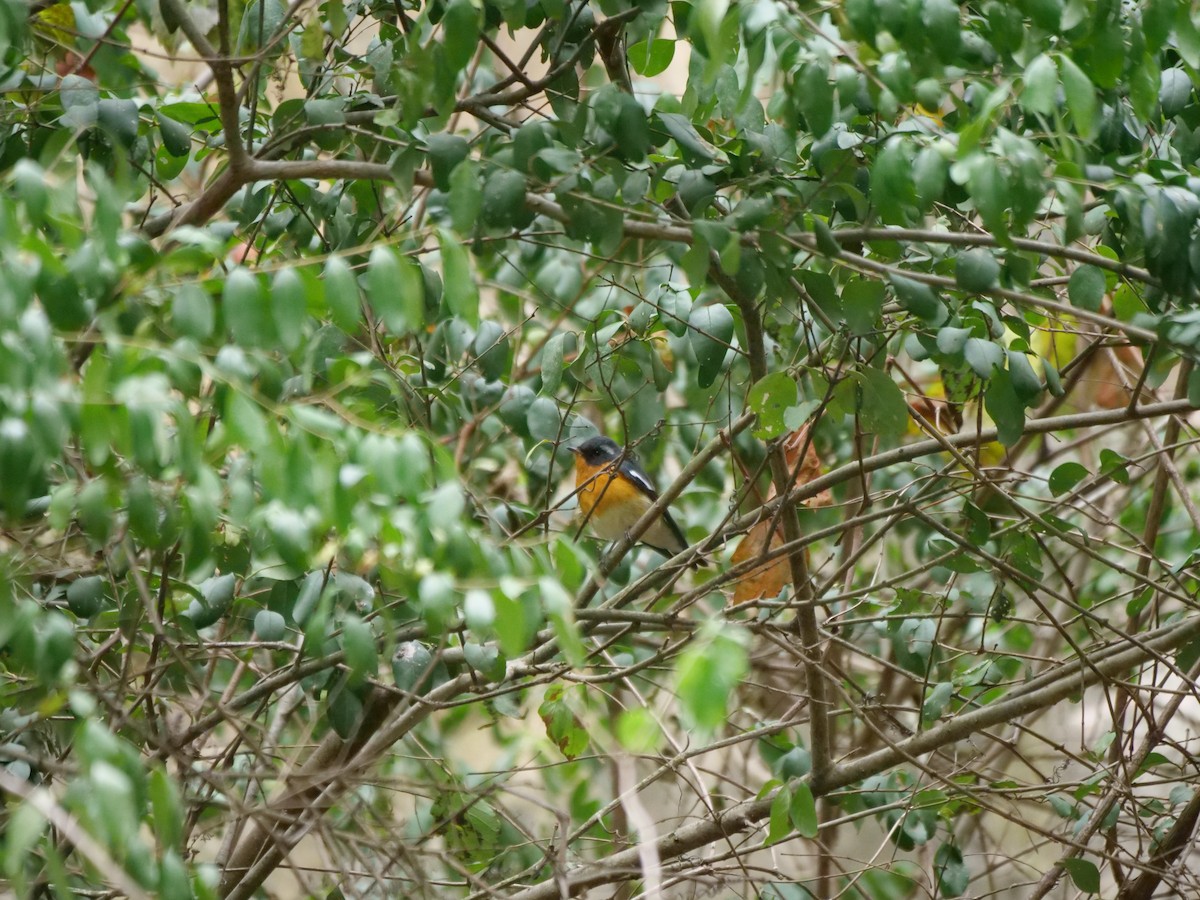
{"x":304,"y":304}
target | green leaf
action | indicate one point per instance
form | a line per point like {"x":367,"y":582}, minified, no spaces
{"x":466,"y":197}
{"x":23,"y":832}
{"x":1113,"y":465}
{"x":630,"y":129}
{"x":112,"y":791}
{"x":119,"y":118}
{"x":291,"y":535}
{"x":1086,"y":288}
{"x":485,"y":659}
{"x":561,"y":615}
{"x":1174,"y":93}
{"x":919,"y":299}
{"x":814,"y":96}
{"x":951,"y":340}
{"x":651,"y":57}
{"x":173,"y":880}
{"x":709,"y":15}
{"x":1081,"y":96}
{"x":552,"y":364}
{"x":461,"y":292}
{"x":345,"y":712}
{"x":217,"y":592}
{"x":710,"y":331}
{"x":86,"y":596}
{"x":1046,"y":14}
{"x":1005,"y":408}
{"x":327,"y":111}
{"x":937,"y":701}
{"x":1066,"y":476}
{"x":802,"y":810}
{"x":289,"y":308}
{"x":446,"y":151}
{"x":779,"y":824}
{"x":247,"y":310}
{"x":883,"y":409}
{"x":930,"y":169}
{"x":514,"y":624}
{"x":943,"y":27}
{"x":706,"y":674}
{"x":893,"y":190}
{"x":358,"y":644}
{"x":479,"y":612}
{"x":984,"y":357}
{"x":1053,"y":382}
{"x":861,"y":303}
{"x":976,"y":270}
{"x":312,"y":41}
{"x":491,"y":350}
{"x":562,"y":725}
{"x":797,"y":415}
{"x":1143,"y":88}
{"x":895,"y":70}
{"x":991,"y":192}
{"x":397,"y":291}
{"x":167,"y":808}
{"x":176,"y":138}
{"x":770,"y":399}
{"x":680,"y":129}
{"x":269,"y":625}
{"x":1187,"y":38}
{"x":1025,"y":381}
{"x":638,"y":731}
{"x":411,"y":665}
{"x":503,"y":200}
{"x":460,"y":32}
{"x":1041,"y":85}
{"x":342,"y":295}
{"x":308,"y":598}
{"x":261,"y":19}
{"x":953,"y":877}
{"x":1083,"y":873}
{"x":19,"y":459}
{"x":544,"y":419}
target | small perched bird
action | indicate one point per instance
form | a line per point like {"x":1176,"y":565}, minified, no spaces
{"x":614,"y":492}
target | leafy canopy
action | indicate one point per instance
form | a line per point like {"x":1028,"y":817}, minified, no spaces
{"x":304,"y":303}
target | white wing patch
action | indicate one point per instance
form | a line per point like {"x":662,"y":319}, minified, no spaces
{"x":638,"y":477}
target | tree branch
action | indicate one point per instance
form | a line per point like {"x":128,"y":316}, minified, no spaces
{"x":983,"y":239}
{"x":222,"y":69}
{"x":1039,"y":693}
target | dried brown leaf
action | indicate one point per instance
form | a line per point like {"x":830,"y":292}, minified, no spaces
{"x":766,"y":580}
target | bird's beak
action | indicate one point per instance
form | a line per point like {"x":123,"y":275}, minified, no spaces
{"x":574,"y":450}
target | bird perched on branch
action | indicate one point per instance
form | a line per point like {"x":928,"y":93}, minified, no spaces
{"x":615,"y":491}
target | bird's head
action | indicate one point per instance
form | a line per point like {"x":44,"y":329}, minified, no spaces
{"x":598,"y":451}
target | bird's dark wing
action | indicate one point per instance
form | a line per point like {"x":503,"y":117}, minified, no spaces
{"x":635,"y":473}
{"x":630,"y":469}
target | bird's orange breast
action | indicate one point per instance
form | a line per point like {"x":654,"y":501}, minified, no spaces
{"x":602,"y":485}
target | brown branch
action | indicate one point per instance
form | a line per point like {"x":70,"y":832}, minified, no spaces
{"x":1098,"y":815}
{"x":1018,"y":298}
{"x":982,"y":239}
{"x":222,"y":69}
{"x":806,"y":613}
{"x":909,"y":452}
{"x":530,"y":88}
{"x":1043,"y":691}
{"x":1173,"y":843}
{"x":43,"y":800}
{"x":221,"y":190}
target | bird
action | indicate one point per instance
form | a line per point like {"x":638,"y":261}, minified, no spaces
{"x":615,"y":491}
